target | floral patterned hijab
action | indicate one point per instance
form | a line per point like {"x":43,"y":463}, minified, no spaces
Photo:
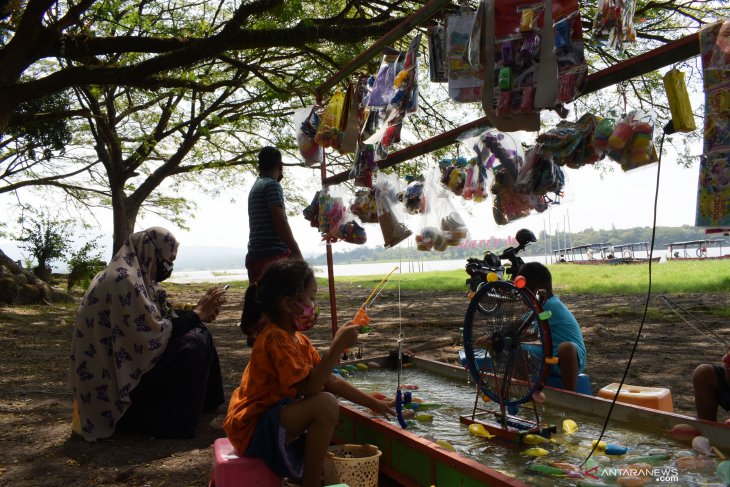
{"x":122,"y":328}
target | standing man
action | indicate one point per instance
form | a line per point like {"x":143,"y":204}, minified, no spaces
{"x":270,"y":237}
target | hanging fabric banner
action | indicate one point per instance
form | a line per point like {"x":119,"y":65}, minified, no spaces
{"x":713,"y":191}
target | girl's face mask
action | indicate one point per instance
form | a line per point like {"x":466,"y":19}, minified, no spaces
{"x":308,"y":318}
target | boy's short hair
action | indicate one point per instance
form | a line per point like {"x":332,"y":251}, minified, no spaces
{"x":537,"y":275}
{"x":269,"y":158}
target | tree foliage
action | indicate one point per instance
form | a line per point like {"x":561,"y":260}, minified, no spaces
{"x":164,"y":96}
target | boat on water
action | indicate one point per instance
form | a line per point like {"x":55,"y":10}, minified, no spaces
{"x":694,"y":250}
{"x":411,"y":460}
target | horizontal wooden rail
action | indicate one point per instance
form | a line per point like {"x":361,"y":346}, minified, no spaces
{"x":673,"y":52}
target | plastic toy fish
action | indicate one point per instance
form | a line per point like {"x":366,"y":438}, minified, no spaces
{"x":423,"y":417}
{"x":601,"y":445}
{"x":373,"y":365}
{"x":534,"y":439}
{"x":652,"y":459}
{"x":693,"y":463}
{"x":569,"y":426}
{"x":535,"y":452}
{"x":445,"y":445}
{"x":702,"y":445}
{"x":684,"y":432}
{"x":479,"y":430}
{"x":632,"y":481}
{"x":614,"y":449}
{"x":546,"y":470}
{"x":361,"y":366}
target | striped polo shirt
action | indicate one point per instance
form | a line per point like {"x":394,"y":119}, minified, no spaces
{"x":263,"y":241}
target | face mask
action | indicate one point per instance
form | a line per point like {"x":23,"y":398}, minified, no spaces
{"x":308,"y":318}
{"x":164,"y":270}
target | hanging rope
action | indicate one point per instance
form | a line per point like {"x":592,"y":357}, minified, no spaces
{"x":646,"y":308}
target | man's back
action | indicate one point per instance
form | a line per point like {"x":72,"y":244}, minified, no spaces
{"x":263,"y":239}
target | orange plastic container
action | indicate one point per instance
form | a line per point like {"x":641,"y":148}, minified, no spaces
{"x":649,"y":397}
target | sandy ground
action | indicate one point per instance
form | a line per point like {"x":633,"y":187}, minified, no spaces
{"x":35,"y":401}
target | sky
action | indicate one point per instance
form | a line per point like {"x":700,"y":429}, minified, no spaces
{"x":593,"y":200}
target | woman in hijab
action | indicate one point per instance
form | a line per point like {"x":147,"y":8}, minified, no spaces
{"x":137,"y":364}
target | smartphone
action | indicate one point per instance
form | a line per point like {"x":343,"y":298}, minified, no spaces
{"x":225,"y":288}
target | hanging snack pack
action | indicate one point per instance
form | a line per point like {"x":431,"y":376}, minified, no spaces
{"x":533,"y":59}
{"x":465,"y":82}
{"x":683,"y":120}
{"x":305,"y":122}
{"x":329,"y":132}
{"x":613,"y":24}
{"x":630,"y":144}
{"x":390,"y":215}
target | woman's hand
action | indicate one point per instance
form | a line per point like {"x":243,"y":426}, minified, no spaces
{"x":210,"y":304}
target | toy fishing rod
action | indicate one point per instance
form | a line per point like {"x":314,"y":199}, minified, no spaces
{"x":361,"y":318}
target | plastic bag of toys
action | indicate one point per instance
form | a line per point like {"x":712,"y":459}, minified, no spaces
{"x":430,"y":236}
{"x":453,"y":174}
{"x":539,"y":174}
{"x":475,"y":184}
{"x":572,"y":143}
{"x":613,"y":24}
{"x":364,"y":206}
{"x":509,"y":204}
{"x":390,"y":214}
{"x":381,"y":85}
{"x":311,"y":212}
{"x":631,"y":143}
{"x":329,"y":133}
{"x":303,"y":119}
{"x":441,"y":224}
{"x":351,"y":232}
{"x":411,"y":197}
{"x":364,"y":166}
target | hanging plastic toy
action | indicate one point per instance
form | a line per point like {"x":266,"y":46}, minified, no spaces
{"x":614,"y":23}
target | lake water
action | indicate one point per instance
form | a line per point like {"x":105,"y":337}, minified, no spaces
{"x":362,"y":269}
{"x":382,"y":268}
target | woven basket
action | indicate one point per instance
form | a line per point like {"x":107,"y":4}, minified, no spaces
{"x":354,"y":465}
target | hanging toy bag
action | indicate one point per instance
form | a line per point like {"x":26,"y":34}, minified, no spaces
{"x":390,"y":214}
{"x":411,"y":197}
{"x":329,"y":132}
{"x":475,"y":183}
{"x":311,"y":212}
{"x":306,"y":122}
{"x":453,"y":174}
{"x":364,"y":206}
{"x":631,"y":143}
{"x":430,"y":237}
{"x":364,"y":166}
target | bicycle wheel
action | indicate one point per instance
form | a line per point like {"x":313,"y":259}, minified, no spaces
{"x":514,"y":338}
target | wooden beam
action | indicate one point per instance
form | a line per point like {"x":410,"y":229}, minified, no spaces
{"x":673,"y":52}
{"x":410,"y":23}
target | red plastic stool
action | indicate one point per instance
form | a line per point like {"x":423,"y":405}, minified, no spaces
{"x":230,"y":470}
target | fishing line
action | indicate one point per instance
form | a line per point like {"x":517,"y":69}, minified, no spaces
{"x":677,"y":308}
{"x":646,"y":307}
